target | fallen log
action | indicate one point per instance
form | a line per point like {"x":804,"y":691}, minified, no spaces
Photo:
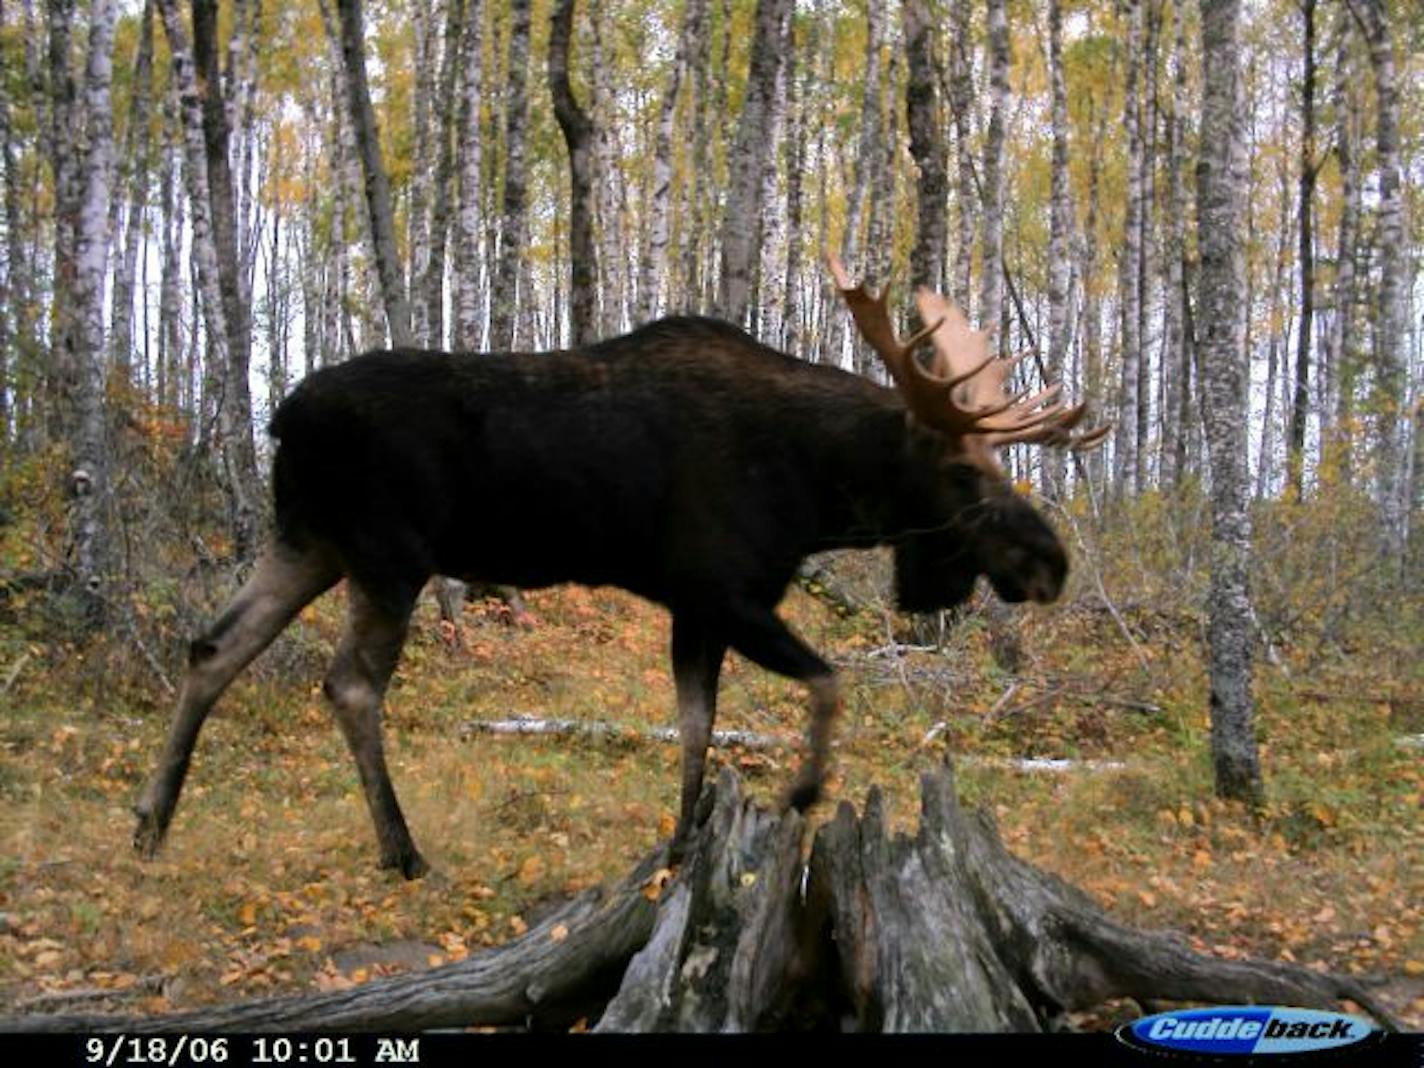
{"x":941,"y":931}
{"x":597,"y":730}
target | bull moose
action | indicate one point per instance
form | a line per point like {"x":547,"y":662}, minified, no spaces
{"x":684,"y":461}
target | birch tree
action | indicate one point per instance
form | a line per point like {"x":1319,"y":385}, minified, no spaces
{"x":578,"y":131}
{"x":991,"y":279}
{"x":235,"y":399}
{"x":469,"y":317}
{"x":753,"y":143}
{"x":89,"y":478}
{"x":1175,"y":364}
{"x":505,"y":295}
{"x":62,"y":375}
{"x":133,"y":178}
{"x":1060,"y":225}
{"x":378,"y":186}
{"x":446,"y":109}
{"x":654,"y":285}
{"x":238,"y":482}
{"x":926,"y":125}
{"x":961,"y":103}
{"x":1220,"y":193}
{"x":1392,"y":315}
{"x":1341,"y":367}
{"x":1308,"y":168}
{"x":1128,"y":463}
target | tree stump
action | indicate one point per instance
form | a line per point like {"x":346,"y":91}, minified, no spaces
{"x":944,"y":931}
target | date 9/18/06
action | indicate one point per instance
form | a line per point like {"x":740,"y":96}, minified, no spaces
{"x":173,"y":1051}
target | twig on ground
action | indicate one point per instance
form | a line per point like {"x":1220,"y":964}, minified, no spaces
{"x":1103,"y":593}
{"x":142,"y":985}
{"x":14,"y":672}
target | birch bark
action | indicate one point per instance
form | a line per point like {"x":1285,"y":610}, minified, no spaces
{"x":504,"y":300}
{"x":579,"y":134}
{"x":89,"y":478}
{"x":1220,"y":191}
{"x":378,"y":186}
{"x":926,"y":124}
{"x":740,"y":222}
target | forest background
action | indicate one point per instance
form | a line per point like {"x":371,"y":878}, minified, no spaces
{"x":203,"y":203}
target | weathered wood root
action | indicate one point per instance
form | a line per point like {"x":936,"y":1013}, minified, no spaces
{"x":942,"y":931}
{"x":816,"y":578}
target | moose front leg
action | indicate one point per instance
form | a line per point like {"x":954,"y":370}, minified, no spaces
{"x":760,"y":636}
{"x":825,"y":707}
{"x":696,"y":664}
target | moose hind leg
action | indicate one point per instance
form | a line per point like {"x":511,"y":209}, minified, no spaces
{"x":696,"y":665}
{"x":356,"y":686}
{"x":283,"y":582}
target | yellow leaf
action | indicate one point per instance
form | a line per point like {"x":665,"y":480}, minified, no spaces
{"x":517,"y":925}
{"x":558,"y":933}
{"x":310,"y":943}
{"x":531,"y":871}
{"x":1148,"y":898}
{"x":1414,"y":967}
{"x":247,"y":915}
{"x":749,"y":878}
{"x":667,"y":823}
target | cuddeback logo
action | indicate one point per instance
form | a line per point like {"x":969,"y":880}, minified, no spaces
{"x":1246,"y":1030}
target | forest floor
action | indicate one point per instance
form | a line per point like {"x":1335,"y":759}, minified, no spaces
{"x":268,"y":881}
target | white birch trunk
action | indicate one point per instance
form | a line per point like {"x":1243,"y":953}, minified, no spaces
{"x":469,"y":243}
{"x":1127,"y":461}
{"x":742,"y":217}
{"x":89,"y":477}
{"x":1221,"y":324}
{"x":1060,"y":235}
{"x":1392,"y":322}
{"x":505,"y":298}
{"x":991,"y":280}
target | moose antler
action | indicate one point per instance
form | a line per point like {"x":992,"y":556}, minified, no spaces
{"x":965,"y":391}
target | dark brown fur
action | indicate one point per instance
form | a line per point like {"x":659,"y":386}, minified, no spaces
{"x":684,"y":462}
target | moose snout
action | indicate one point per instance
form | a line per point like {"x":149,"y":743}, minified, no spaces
{"x":1033,"y":567}
{"x":1046,"y":584}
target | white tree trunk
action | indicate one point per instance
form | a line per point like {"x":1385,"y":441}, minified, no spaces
{"x":741,"y":220}
{"x":89,"y":477}
{"x":991,"y":279}
{"x":1127,"y":461}
{"x":505,"y":297}
{"x":469,"y":245}
{"x":1392,"y":323}
{"x":1060,"y":235}
{"x":1221,"y":324}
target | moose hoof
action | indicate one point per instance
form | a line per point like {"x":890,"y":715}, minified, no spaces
{"x":803,"y":796}
{"x":148,"y":835}
{"x":411,"y":865}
